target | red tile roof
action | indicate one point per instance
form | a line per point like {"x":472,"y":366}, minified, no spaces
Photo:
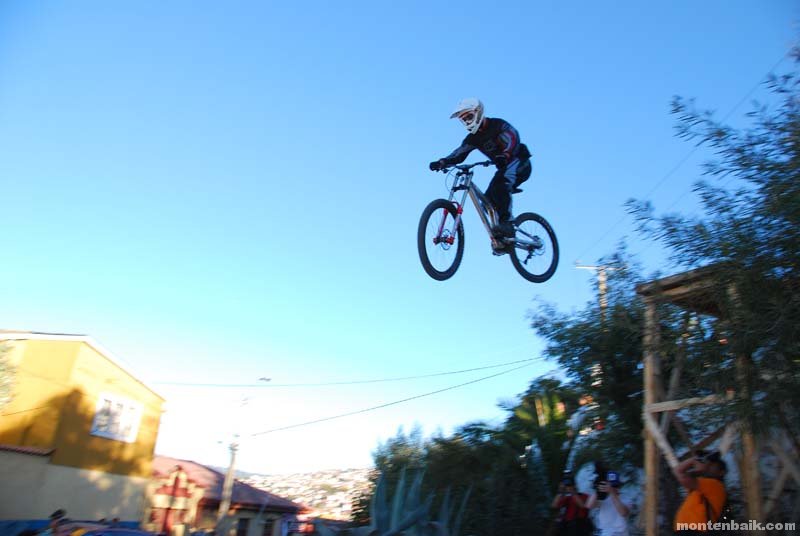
{"x":212,"y":481}
{"x":33,"y":451}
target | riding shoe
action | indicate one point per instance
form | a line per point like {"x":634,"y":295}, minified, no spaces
{"x":504,"y":229}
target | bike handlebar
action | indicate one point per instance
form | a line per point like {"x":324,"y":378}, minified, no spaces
{"x":467,"y":167}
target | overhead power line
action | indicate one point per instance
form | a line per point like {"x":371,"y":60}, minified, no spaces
{"x":373,"y":408}
{"x":684,"y":159}
{"x":352,"y":382}
{"x":727,"y":116}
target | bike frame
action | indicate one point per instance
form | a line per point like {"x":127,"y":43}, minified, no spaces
{"x":486,"y":211}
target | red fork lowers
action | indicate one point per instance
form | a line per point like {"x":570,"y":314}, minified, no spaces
{"x":437,"y":238}
{"x":450,"y":239}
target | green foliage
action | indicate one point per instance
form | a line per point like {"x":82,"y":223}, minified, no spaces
{"x":750,"y":232}
{"x":483,"y":465}
{"x":542,"y":417}
{"x":404,"y":451}
{"x":600,"y":351}
{"x":7,"y":373}
{"x":406,"y":514}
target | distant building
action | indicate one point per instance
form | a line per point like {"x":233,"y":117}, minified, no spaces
{"x":329,"y":494}
{"x":184,"y":496}
{"x":78,"y":434}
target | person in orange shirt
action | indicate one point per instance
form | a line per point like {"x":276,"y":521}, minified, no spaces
{"x":703,"y":477}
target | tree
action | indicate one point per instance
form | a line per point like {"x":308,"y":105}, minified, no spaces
{"x":541,"y":419}
{"x":478,"y":461}
{"x":504,"y":499}
{"x":600,"y":350}
{"x":750,"y":233}
{"x":399,"y":453}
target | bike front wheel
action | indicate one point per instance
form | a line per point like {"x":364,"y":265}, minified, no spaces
{"x":534,"y":253}
{"x":439,"y":242}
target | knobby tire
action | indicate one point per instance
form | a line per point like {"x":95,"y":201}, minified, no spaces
{"x":429,"y":224}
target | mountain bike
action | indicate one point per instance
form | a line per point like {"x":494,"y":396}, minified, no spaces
{"x":440,"y":237}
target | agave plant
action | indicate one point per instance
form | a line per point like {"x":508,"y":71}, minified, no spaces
{"x":407,"y":514}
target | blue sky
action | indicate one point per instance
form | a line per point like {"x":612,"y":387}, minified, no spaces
{"x":223,"y":191}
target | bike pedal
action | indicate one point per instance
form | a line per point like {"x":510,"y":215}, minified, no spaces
{"x":500,"y":250}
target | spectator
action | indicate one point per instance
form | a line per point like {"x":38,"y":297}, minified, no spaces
{"x":612,"y":513}
{"x":573,"y":516}
{"x":703,"y":477}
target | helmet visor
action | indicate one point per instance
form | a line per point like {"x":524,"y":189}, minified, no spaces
{"x":467,"y":117}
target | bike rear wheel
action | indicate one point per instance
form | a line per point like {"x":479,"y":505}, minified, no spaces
{"x":439,"y":242}
{"x":534,"y":253}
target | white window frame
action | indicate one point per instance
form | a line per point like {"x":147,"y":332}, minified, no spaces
{"x":121,"y":423}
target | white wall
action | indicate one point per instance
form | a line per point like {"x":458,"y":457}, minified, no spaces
{"x":32,"y":488}
{"x":21,"y":479}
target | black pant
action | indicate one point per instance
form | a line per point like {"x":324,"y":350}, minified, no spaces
{"x":503,"y":182}
{"x":575,"y":527}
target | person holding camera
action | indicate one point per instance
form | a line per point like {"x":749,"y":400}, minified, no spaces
{"x":703,"y":477}
{"x":573,"y":516}
{"x":612,"y":513}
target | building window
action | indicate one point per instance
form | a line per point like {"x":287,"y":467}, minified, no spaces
{"x":116,"y":418}
{"x":268,"y":524}
{"x":242,"y":526}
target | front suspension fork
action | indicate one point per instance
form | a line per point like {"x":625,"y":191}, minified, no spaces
{"x":452,"y":238}
{"x":459,"y":212}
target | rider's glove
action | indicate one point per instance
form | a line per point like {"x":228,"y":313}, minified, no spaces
{"x":501,"y":161}
{"x":437,"y":165}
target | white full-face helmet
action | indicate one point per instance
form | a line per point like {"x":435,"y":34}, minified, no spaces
{"x":470,"y":112}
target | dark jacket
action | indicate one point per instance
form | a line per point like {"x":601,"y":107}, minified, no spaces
{"x":498,"y":137}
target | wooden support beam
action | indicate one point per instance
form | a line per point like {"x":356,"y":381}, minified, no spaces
{"x":703,"y":443}
{"x":777,"y":489}
{"x":672,"y":405}
{"x":651,"y":458}
{"x":655,"y":432}
{"x":728,"y":437}
{"x":750,"y":475}
{"x":675,"y":375}
{"x":787,"y":461}
{"x":677,"y":422}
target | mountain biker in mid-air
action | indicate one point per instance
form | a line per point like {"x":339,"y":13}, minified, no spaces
{"x":499,"y":141}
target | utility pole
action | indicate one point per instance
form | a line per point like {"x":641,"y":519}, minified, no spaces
{"x":227,"y":486}
{"x":602,"y":290}
{"x":602,"y":285}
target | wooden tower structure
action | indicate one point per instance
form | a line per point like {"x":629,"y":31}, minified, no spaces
{"x":696,"y":291}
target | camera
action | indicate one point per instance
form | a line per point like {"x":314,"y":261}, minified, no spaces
{"x":711,"y":457}
{"x":704,"y":456}
{"x":602,"y":474}
{"x":567,"y":479}
{"x":523,"y":458}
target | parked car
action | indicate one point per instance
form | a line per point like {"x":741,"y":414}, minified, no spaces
{"x":96,"y":529}
{"x":117,"y":532}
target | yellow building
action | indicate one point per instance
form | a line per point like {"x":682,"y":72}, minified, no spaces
{"x":78,"y":434}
